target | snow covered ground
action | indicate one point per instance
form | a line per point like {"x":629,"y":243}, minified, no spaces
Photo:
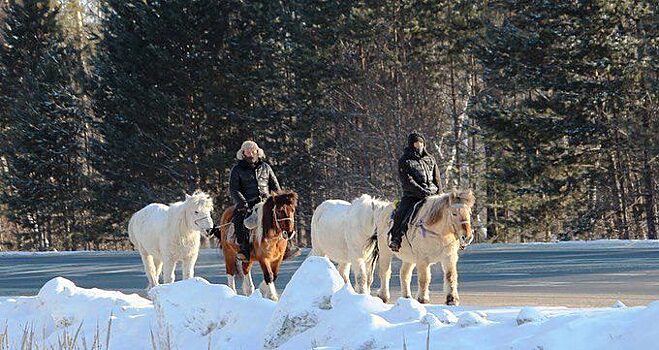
{"x":316,"y":311}
{"x":579,"y":245}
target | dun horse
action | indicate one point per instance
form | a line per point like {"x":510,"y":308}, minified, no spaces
{"x":275,"y":224}
{"x":440,"y":228}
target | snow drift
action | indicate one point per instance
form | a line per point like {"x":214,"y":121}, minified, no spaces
{"x":316,"y":310}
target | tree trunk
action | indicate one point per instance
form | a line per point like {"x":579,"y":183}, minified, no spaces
{"x":648,"y":193}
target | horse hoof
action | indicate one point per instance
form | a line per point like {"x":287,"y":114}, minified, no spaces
{"x":423,"y":300}
{"x":450,"y":300}
{"x":385,"y":299}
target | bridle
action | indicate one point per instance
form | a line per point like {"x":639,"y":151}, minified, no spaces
{"x":463,"y":242}
{"x":205,"y":218}
{"x":278,"y":220}
{"x":425,"y":231}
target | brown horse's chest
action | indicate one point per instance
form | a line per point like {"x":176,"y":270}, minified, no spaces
{"x":271,"y":249}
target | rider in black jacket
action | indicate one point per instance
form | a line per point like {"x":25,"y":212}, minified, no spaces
{"x":419,"y":177}
{"x":251,"y":181}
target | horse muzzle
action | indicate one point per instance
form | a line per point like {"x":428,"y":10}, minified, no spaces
{"x":467,"y":237}
{"x":465,"y":241}
{"x":205,"y":223}
{"x":288,"y":235}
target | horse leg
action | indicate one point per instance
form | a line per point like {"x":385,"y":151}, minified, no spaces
{"x":423,"y":296}
{"x":169,"y":270}
{"x":149,"y":269}
{"x":158,"y":263}
{"x":450,"y":268}
{"x":385,"y":275}
{"x":275,"y":272}
{"x":248,"y":283}
{"x":359,"y":270}
{"x":405,"y":279}
{"x":315,"y":251}
{"x":268,"y":286}
{"x":344,"y":271}
{"x":369,"y":277}
{"x":188,"y":266}
{"x":230,"y":267}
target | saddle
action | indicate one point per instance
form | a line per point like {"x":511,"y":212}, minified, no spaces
{"x":409,"y":217}
{"x":251,"y":222}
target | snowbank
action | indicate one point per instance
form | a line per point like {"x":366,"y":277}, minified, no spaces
{"x":576,"y":245}
{"x":316,"y":310}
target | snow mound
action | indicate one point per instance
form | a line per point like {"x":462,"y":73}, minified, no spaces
{"x":470,"y":319}
{"x":431,"y":320}
{"x":446,"y":316}
{"x":405,"y":310}
{"x":190,"y":311}
{"x":316,"y":311}
{"x":618,"y":305}
{"x":529,"y":315}
{"x":308,"y":293}
{"x":62,"y":308}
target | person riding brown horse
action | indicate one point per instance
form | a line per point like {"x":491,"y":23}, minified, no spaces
{"x":251,"y":181}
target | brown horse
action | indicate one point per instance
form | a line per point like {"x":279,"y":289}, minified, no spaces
{"x":268,"y":241}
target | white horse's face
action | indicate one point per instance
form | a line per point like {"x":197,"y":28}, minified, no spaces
{"x":199,"y":214}
{"x":461,"y":221}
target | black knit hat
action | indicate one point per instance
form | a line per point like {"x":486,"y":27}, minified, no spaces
{"x":414,"y":137}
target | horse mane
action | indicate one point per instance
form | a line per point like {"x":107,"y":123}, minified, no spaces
{"x":367,"y":200}
{"x":200,"y":200}
{"x":266,"y":220}
{"x":177,"y":217}
{"x":440,"y":203}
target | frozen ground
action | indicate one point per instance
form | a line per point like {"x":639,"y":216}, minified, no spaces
{"x":577,"y":274}
{"x":316,"y":311}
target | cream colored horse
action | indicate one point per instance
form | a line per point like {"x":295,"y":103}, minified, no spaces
{"x":441,"y":227}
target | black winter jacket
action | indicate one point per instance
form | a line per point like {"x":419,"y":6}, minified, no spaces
{"x":418,"y":173}
{"x":249,"y":183}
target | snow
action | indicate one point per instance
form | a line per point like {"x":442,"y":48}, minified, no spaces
{"x":618,"y":304}
{"x":530,"y":314}
{"x":579,"y":245}
{"x":316,"y":311}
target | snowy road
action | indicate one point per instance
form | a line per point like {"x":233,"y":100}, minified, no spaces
{"x":554,"y":274}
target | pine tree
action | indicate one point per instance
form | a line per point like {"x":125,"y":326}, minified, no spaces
{"x":557,"y":118}
{"x":41,"y":122}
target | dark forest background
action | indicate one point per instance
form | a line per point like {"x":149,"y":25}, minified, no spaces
{"x":547,"y":110}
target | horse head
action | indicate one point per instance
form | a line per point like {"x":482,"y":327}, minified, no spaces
{"x":279,"y":214}
{"x":198,"y":211}
{"x":460,"y":204}
{"x":453,"y":212}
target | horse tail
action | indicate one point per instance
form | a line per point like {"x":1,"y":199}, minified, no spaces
{"x":374,"y":251}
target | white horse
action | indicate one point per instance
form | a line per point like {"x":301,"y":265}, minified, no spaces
{"x":441,"y":227}
{"x":344,"y":233}
{"x":165,"y":235}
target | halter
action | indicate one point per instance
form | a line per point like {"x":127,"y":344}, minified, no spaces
{"x":205,"y":218}
{"x":277,"y":220}
{"x":425,"y":231}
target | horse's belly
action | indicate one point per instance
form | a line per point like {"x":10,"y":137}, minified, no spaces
{"x":331,"y":242}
